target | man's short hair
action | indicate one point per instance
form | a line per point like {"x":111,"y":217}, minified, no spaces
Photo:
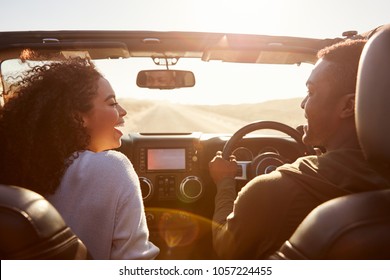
{"x":345,"y":55}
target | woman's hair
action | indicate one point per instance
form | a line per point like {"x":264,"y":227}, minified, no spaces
{"x":40,"y":124}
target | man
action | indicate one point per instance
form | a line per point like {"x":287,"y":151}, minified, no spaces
{"x":163,"y":79}
{"x":270,"y":207}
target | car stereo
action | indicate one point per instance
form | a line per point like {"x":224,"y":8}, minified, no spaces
{"x":169,"y":173}
{"x":165,"y":159}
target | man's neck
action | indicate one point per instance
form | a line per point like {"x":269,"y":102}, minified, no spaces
{"x":345,"y":138}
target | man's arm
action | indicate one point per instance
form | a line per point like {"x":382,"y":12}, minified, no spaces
{"x":223,"y":173}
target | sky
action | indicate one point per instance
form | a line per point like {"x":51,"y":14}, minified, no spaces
{"x":303,"y":18}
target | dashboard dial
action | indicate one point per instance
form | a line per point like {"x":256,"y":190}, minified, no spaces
{"x":268,"y":149}
{"x":243,"y":154}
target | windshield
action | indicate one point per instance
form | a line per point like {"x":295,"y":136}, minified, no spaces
{"x":226,"y":96}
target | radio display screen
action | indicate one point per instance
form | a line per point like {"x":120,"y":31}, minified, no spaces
{"x":166,"y":159}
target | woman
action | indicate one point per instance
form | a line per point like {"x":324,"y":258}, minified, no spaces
{"x":58,"y":127}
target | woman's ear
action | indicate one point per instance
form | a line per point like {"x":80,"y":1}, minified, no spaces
{"x":83,"y":118}
{"x":348,"y":106}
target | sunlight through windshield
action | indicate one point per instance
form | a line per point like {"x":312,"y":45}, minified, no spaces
{"x":226,"y":96}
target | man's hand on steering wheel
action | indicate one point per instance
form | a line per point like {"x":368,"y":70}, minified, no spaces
{"x":220,"y":168}
{"x":263,"y":163}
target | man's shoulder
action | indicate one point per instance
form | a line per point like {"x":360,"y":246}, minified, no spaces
{"x":272,"y":182}
{"x":301,"y":172}
{"x":301,"y":165}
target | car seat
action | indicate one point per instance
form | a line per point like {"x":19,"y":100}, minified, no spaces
{"x":31,"y":228}
{"x":356,"y":226}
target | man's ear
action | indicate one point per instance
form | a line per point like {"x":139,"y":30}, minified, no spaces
{"x":348,"y":106}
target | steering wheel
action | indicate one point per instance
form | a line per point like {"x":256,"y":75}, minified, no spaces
{"x":265,"y":162}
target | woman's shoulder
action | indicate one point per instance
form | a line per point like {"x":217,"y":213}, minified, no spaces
{"x":103,"y":168}
{"x":101,"y":161}
{"x":108,"y":157}
{"x":104,"y":177}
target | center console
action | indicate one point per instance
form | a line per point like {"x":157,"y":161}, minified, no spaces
{"x":177,"y":203}
{"x":168,"y":170}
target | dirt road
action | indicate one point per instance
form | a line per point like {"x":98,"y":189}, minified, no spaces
{"x":164,"y":117}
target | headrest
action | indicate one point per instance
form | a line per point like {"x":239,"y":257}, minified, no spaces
{"x":31,"y":228}
{"x":373,"y":98}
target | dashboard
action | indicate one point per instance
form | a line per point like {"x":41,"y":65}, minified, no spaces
{"x":177,"y":189}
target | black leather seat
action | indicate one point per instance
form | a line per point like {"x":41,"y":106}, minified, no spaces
{"x":350,"y":227}
{"x":356,"y":226}
{"x":31,"y":228}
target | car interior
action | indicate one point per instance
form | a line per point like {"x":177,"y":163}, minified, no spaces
{"x":177,"y":189}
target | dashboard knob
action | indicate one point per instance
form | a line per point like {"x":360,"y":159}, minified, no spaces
{"x":146,"y":188}
{"x":191,"y":189}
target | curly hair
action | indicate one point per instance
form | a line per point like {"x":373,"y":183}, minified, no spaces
{"x":41,"y":126}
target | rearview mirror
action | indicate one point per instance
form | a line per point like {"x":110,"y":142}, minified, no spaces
{"x":165,"y":79}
